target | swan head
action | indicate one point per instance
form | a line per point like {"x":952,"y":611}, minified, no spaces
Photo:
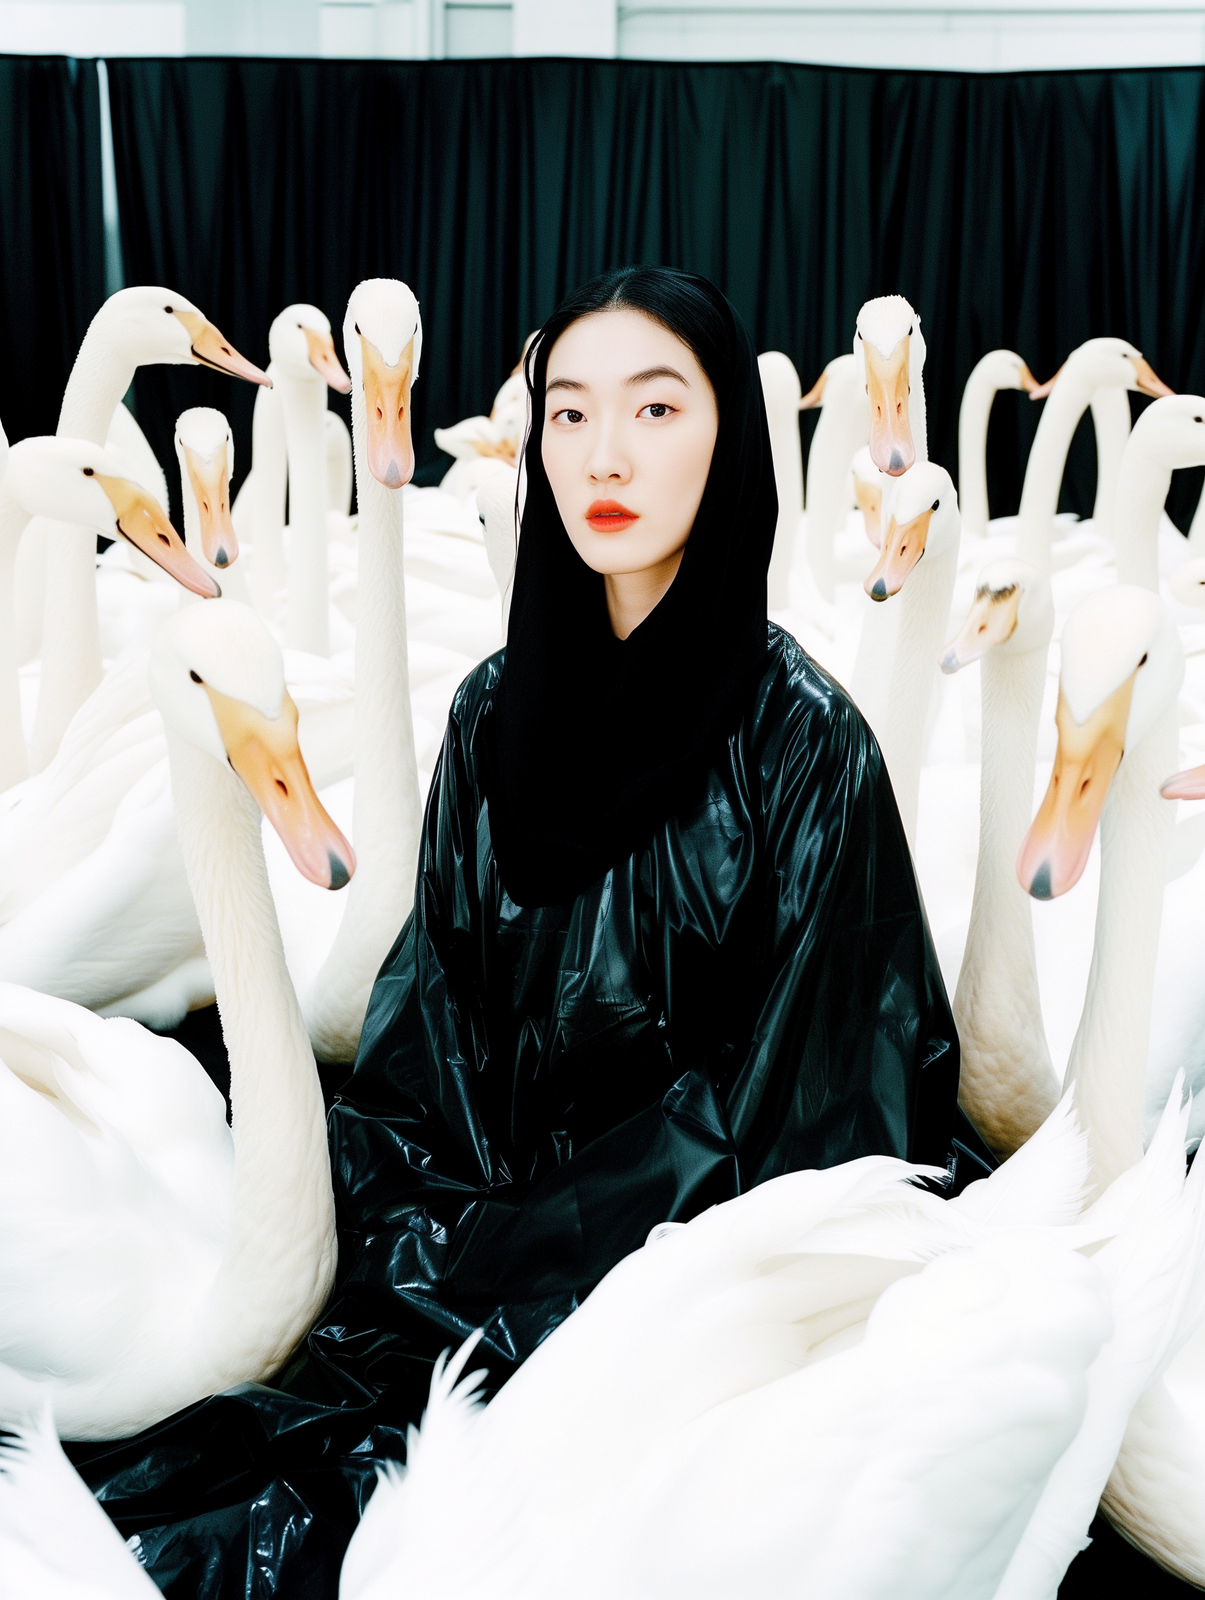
{"x":920,"y":512}
{"x":300,"y":343}
{"x":218,"y":678}
{"x":868,"y":491}
{"x":497,"y":507}
{"x":891,"y":354}
{"x":840,"y":376}
{"x":1122,"y":667}
{"x":383,"y":340}
{"x":75,"y":481}
{"x":1006,"y":370}
{"x":1172,"y":431}
{"x":1013,"y":610}
{"x":205,"y":451}
{"x":158,"y":326}
{"x":1104,"y":364}
{"x":1187,"y":583}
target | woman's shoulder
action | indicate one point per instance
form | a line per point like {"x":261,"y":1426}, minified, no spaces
{"x":797,"y":699}
{"x":476,"y":693}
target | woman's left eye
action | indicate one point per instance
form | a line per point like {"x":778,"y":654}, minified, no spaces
{"x":657,"y":409}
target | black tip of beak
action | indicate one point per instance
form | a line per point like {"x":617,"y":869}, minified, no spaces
{"x":897,"y":462}
{"x":878,"y":590}
{"x":1041,"y":888}
{"x":393,"y":478}
{"x":221,"y":559}
{"x":339,"y":873}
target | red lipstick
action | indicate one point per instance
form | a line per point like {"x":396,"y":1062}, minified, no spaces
{"x":608,"y":516}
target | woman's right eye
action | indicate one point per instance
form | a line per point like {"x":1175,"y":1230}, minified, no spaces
{"x":568,"y":417}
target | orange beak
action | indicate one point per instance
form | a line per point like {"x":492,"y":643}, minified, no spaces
{"x":212,"y":350}
{"x":1041,"y":391}
{"x":210,"y":482}
{"x":1147,"y":382}
{"x":887,"y":388}
{"x":266,"y":755}
{"x":140,"y":519}
{"x":324,"y":360}
{"x":387,"y":403}
{"x":1188,"y":785}
{"x":902,"y":547}
{"x":1055,"y":851}
{"x":1028,"y":382}
{"x":992,"y":620}
{"x":815,"y":395}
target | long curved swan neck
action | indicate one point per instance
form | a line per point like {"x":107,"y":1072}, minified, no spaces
{"x":1108,"y":1057}
{"x":99,"y":377}
{"x":842,"y":429}
{"x":303,"y":404}
{"x":387,"y":810}
{"x":266,"y":1292}
{"x":269,"y":486}
{"x":973,"y":417}
{"x":1111,"y":425}
{"x":1066,"y":404}
{"x":1007,"y":1084}
{"x":924,"y":608}
{"x":14,"y":764}
{"x":1142,"y":488}
{"x":71,"y":659}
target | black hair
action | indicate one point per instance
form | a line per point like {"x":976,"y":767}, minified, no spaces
{"x":687,"y":306}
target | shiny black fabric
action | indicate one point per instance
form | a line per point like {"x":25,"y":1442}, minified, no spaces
{"x":636,"y":719}
{"x":752,"y":993}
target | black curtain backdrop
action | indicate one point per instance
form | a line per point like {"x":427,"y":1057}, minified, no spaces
{"x":52,"y":275}
{"x":1029,"y":211}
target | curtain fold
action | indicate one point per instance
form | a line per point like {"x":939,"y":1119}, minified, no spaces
{"x":1030,"y":211}
{"x":52,"y":276}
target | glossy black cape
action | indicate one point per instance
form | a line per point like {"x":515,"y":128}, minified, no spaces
{"x":753,"y":993}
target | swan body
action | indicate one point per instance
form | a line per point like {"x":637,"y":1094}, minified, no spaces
{"x":201,"y":1253}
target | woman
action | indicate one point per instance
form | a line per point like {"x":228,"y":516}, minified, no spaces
{"x":666,"y":944}
{"x":667,"y":941}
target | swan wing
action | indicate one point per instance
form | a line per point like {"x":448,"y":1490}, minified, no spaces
{"x":55,"y":1541}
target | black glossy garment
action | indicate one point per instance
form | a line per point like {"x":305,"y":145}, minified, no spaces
{"x":752,"y":993}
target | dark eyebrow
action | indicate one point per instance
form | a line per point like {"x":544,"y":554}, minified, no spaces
{"x":564,"y":383}
{"x":655,"y":372}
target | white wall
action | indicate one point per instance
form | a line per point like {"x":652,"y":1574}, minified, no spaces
{"x":971,"y":35}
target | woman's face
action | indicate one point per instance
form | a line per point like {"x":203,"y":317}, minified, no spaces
{"x":629,"y":429}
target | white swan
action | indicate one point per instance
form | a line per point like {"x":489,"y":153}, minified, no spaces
{"x":1097,"y":365}
{"x":918,"y":555}
{"x":1007,"y":1085}
{"x":149,"y":1255}
{"x":74,"y":477}
{"x":382,"y":341}
{"x":998,"y":369}
{"x":132,"y":328}
{"x":842,"y":428}
{"x":781,"y":392}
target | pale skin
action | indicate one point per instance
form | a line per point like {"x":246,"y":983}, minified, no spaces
{"x":630,"y":425}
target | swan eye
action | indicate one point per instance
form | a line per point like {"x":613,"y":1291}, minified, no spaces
{"x":356,"y":325}
{"x":195,"y":676}
{"x":1142,"y":663}
{"x":910,"y":330}
{"x":169,"y":311}
{"x":935,"y":505}
{"x":1199,"y":419}
{"x":89,"y":472}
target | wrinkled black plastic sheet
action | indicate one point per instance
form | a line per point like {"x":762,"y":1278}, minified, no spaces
{"x":755,"y":992}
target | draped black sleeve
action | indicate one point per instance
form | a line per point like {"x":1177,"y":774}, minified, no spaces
{"x":753,"y":992}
